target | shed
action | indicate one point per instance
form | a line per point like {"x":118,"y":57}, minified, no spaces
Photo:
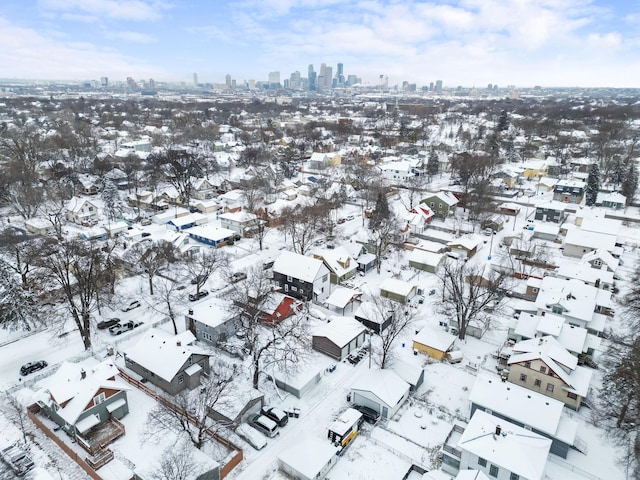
{"x":308,"y":458}
{"x":434,"y":342}
{"x":398,"y":290}
{"x":427,"y":261}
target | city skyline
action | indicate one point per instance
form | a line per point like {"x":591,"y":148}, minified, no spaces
{"x":463,"y":42}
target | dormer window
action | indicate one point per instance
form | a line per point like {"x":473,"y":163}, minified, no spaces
{"x":98,"y":399}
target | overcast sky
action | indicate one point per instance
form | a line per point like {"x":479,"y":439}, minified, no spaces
{"x":593,"y":43}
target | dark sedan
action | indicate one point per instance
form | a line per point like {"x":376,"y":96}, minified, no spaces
{"x":104,"y":324}
{"x":31,"y":367}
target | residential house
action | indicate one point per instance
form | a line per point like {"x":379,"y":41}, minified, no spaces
{"x":493,"y":222}
{"x":381,"y":390}
{"x":529,"y":410}
{"x":340,"y":264}
{"x":88,"y":184}
{"x":583,"y":271}
{"x":418,"y":218}
{"x":612,"y":200}
{"x":509,"y":208}
{"x":434,"y":342}
{"x":205,"y":206}
{"x":601,"y":259}
{"x":277,"y":307}
{"x":203,"y":189}
{"x":373,"y":317}
{"x":569,"y":191}
{"x":302,"y":277}
{"x":545,"y":366}
{"x":341,"y":297}
{"x":187,"y":221}
{"x":508,"y":175}
{"x":443,"y":204}
{"x":211,"y":235}
{"x":553,"y":211}
{"x":366,"y":261}
{"x":82,"y":211}
{"x":580,"y":304}
{"x":398,"y":290}
{"x":232,"y":201}
{"x":318,"y":161}
{"x":578,"y":242}
{"x":397,"y":171}
{"x":85,"y":398}
{"x":240,"y":222}
{"x":497,"y":448}
{"x":211,"y":322}
{"x":339,"y":338}
{"x":534,"y":169}
{"x":170,"y":362}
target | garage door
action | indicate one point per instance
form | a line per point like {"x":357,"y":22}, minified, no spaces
{"x":359,"y":399}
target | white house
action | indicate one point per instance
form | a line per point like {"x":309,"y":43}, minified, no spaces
{"x":82,"y":211}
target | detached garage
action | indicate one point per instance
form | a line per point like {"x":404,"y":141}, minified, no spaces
{"x":381,"y":390}
{"x":434,"y":342}
{"x":339,"y":338}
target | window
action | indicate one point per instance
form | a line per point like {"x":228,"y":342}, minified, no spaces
{"x":514,"y":476}
{"x":572,"y":395}
{"x":537,"y":383}
{"x":181,"y":379}
{"x":432,"y":204}
{"x":597,"y":262}
{"x":527,"y":364}
{"x":482,"y":462}
{"x":493,"y":471}
{"x":294,"y":288}
{"x":189,"y":361}
{"x":301,"y":292}
{"x":98,"y":399}
{"x":286,"y":287}
{"x":543,"y":369}
{"x":549,"y":387}
{"x":523,"y":377}
{"x":325,"y":278}
{"x":289,"y":278}
{"x":439,"y":205}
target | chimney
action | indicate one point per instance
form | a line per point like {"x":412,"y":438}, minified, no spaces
{"x":83,"y":374}
{"x":191,"y":311}
{"x":498,"y":430}
{"x":178,"y":343}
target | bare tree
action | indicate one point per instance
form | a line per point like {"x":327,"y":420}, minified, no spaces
{"x":201,"y":266}
{"x":382,"y":237}
{"x":468,"y":291}
{"x":19,"y":254}
{"x":176,"y":463}
{"x":180,"y":166}
{"x":402,"y":317}
{"x":188,"y":412}
{"x":79,"y":271}
{"x":301,"y":226}
{"x":151,"y":259}
{"x":281,"y":343}
{"x":18,"y":310}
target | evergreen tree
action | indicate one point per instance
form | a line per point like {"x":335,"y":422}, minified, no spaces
{"x":503,"y":121}
{"x":593,"y":185}
{"x":433,"y":166}
{"x":381,"y":211}
{"x":630,"y":182}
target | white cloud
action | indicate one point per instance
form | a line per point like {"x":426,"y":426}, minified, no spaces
{"x":139,"y":10}
{"x":135,"y":37}
{"x":607,"y":40}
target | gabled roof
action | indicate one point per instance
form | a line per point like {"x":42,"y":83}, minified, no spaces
{"x":384,"y":384}
{"x":341,"y":330}
{"x":397,"y":286}
{"x":445,"y":197}
{"x":338,"y":260}
{"x":515,"y":449}
{"x":298,"y":266}
{"x":577,"y":299}
{"x":163,"y":354}
{"x":73,"y":393}
{"x":609,"y":260}
{"x":435,"y":338}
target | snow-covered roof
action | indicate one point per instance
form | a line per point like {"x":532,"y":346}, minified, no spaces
{"x":601,"y":254}
{"x":435,"y":338}
{"x":338,"y":260}
{"x":210,"y":232}
{"x":341,"y":330}
{"x":345,"y":421}
{"x":468,"y":242}
{"x":384,"y":384}
{"x":584,"y":272}
{"x":308,"y":455}
{"x":445,"y":197}
{"x":515,"y":449}
{"x":425,"y":258}
{"x":395,"y":285}
{"x":342,"y":296}
{"x":163,"y":354}
{"x":523,"y":406}
{"x":212,"y":312}
{"x":188,"y":219}
{"x":594,"y":240}
{"x":609,"y":226}
{"x":68,"y":388}
{"x":238,"y":217}
{"x":577,"y":299}
{"x":298,"y":266}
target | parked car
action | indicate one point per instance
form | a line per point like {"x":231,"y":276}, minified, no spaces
{"x":264,"y":425}
{"x":198,"y":295}
{"x":488,"y":232}
{"x":124,"y":327}
{"x":342,"y":220}
{"x":350,"y":217}
{"x":277,"y":415}
{"x":31,"y":367}
{"x":131,"y":306}
{"x":104,"y":324}
{"x":17,"y":459}
{"x":369,"y":414}
{"x":145,"y":234}
{"x":253,"y":437}
{"x":238,"y":276}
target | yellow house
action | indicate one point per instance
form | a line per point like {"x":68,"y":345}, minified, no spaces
{"x":334,"y":160}
{"x":434,"y":342}
{"x":535,"y":169}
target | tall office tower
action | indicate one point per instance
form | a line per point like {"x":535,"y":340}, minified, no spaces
{"x":431,"y":87}
{"x":152,"y":83}
{"x":438,"y":87}
{"x":323,"y":74}
{"x":294,"y":81}
{"x":195,"y":79}
{"x":104,"y":82}
{"x":274,"y":79}
{"x":227,"y":80}
{"x":340,"y":75}
{"x":328,"y":77}
{"x":352,"y":80}
{"x":312,"y":78}
{"x":131,"y":83}
{"x":252,"y":84}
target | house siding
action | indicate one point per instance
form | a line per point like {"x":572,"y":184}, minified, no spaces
{"x":533,"y":373}
{"x":173,"y":386}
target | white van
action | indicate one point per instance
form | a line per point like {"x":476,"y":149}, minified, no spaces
{"x":265,"y":425}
